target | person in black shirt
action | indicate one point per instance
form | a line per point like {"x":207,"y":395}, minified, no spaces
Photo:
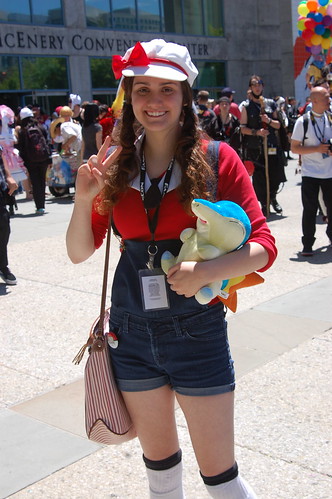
{"x":258,"y":120}
{"x":7,"y":185}
{"x":207,"y":118}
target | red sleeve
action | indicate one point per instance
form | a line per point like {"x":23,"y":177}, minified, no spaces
{"x":235,"y":110}
{"x":235,"y":185}
{"x":99,"y":227}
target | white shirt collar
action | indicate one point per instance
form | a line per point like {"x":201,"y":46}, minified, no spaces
{"x":175,"y":178}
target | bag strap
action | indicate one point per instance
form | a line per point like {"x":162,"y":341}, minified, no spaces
{"x":305,"y":129}
{"x":100,"y":331}
{"x":96,"y":336}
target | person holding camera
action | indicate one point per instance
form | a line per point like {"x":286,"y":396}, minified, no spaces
{"x":314,"y":146}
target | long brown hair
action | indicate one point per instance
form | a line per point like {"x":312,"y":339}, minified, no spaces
{"x":197,"y":176}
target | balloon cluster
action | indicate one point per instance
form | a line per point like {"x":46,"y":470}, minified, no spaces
{"x":315,"y":25}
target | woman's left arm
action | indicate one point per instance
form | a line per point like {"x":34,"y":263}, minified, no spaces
{"x":259,"y":252}
{"x":186,"y":278}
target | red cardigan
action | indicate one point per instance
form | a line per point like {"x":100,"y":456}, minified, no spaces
{"x":234,"y":184}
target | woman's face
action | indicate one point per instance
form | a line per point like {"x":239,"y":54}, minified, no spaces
{"x":157,"y":103}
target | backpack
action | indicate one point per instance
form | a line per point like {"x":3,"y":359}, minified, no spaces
{"x":36,"y":147}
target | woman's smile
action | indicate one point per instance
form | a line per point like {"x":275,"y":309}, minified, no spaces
{"x":155,"y":114}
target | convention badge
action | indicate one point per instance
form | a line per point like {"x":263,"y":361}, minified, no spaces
{"x":272,"y":151}
{"x":153,"y":289}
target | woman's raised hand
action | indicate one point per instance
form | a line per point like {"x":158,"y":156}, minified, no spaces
{"x":91,"y":176}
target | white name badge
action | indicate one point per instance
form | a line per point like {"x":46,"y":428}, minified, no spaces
{"x":153,"y":289}
{"x":272,"y":151}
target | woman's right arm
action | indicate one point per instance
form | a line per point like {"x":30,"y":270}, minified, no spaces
{"x":89,"y":182}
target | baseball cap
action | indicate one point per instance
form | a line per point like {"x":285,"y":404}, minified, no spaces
{"x":26,"y":113}
{"x":75,"y":100}
{"x":158,"y":59}
{"x":225,"y":99}
{"x":227,"y":91}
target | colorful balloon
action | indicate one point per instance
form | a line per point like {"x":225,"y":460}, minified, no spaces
{"x":326,"y":43}
{"x":327,"y":21}
{"x":316,"y":49}
{"x":323,"y":2}
{"x":307,"y":34}
{"x":318,"y":17}
{"x":300,"y":24}
{"x":312,"y":5}
{"x":319,"y":29}
{"x":303,"y":9}
{"x":310,"y":24}
{"x":316,"y":39}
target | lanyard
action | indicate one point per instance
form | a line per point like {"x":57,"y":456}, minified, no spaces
{"x":321,"y":133}
{"x":152,"y":249}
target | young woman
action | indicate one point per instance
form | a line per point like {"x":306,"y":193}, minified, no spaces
{"x":180,"y":350}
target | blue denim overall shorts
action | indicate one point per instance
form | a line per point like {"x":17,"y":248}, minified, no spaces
{"x":185,"y":346}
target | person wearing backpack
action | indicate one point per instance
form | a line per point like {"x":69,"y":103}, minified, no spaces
{"x":35,"y":151}
{"x":311,"y":139}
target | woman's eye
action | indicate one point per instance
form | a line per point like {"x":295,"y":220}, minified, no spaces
{"x":168,"y":90}
{"x":142,"y":90}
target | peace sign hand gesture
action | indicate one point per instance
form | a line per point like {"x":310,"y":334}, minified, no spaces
{"x":91,"y":176}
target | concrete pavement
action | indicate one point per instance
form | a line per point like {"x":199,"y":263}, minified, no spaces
{"x":280,"y":340}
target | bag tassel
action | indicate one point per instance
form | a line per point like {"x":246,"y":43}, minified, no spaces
{"x":96,"y":333}
{"x":80,"y":354}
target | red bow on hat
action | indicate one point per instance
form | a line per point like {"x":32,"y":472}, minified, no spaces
{"x":137,"y":57}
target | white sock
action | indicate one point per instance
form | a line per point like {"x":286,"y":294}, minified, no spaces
{"x":237,"y":488}
{"x":166,"y":484}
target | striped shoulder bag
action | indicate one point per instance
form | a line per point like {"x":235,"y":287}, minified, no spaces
{"x":107,"y":420}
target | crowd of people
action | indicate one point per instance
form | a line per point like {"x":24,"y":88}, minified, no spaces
{"x":29,"y":139}
{"x":258,"y":128}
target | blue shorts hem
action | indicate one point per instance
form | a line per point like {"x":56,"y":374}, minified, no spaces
{"x":141,"y":385}
{"x":206,"y":391}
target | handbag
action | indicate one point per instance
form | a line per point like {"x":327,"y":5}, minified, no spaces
{"x":107,"y":420}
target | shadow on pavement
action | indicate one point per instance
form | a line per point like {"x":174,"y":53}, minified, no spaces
{"x":321,"y":256}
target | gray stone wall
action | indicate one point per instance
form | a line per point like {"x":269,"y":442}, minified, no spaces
{"x":257,"y":40}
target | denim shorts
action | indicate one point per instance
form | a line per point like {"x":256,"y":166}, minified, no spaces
{"x":188,"y":352}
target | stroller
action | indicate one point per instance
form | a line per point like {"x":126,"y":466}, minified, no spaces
{"x":61,"y":175}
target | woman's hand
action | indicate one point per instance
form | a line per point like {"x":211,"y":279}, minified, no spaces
{"x":186,"y":278}
{"x":91,"y":176}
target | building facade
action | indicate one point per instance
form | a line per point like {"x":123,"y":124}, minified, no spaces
{"x":50,"y":48}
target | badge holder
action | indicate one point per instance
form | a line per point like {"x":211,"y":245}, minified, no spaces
{"x":153,"y":285}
